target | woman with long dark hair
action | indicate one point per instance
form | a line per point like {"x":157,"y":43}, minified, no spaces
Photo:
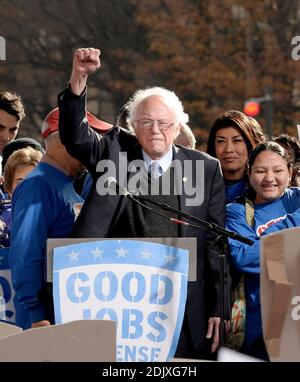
{"x":232,"y":137}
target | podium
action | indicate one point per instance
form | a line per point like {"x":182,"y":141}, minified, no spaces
{"x":7,"y":329}
{"x":95,"y":340}
{"x":76,"y":341}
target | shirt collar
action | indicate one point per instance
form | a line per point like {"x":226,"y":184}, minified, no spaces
{"x":164,"y":161}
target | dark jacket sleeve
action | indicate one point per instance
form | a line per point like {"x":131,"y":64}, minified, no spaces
{"x":215,"y":246}
{"x":82,"y":142}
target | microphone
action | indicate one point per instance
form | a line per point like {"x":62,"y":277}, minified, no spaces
{"x":113,"y":184}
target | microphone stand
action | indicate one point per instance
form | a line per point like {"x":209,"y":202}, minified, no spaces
{"x":221,"y":233}
{"x":220,"y":240}
{"x":215,"y":228}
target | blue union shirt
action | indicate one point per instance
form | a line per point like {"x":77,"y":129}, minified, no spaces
{"x":269,"y":217}
{"x":42,"y":208}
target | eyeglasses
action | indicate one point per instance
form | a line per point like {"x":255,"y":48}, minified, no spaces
{"x":148,"y":124}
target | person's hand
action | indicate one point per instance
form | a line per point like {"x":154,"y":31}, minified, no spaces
{"x":39,"y":324}
{"x":213,"y":331}
{"x":227,"y":327}
{"x":85,"y":62}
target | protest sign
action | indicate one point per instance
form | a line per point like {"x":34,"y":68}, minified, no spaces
{"x":138,"y":284}
{"x":280,"y":294}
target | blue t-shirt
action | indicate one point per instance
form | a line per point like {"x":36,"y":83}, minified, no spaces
{"x":269,"y":217}
{"x":234,"y":189}
{"x":42,"y":208}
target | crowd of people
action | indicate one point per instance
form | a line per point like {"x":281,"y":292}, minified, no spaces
{"x":245,"y":174}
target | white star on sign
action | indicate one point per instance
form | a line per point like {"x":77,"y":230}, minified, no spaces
{"x":97,"y":253}
{"x":121,"y":252}
{"x":73,"y":256}
{"x":145,"y":254}
{"x":169,"y":258}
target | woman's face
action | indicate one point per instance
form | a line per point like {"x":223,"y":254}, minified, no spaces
{"x":20,"y":174}
{"x":269,"y":176}
{"x":232,"y":152}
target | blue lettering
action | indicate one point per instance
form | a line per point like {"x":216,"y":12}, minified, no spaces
{"x":154,"y":354}
{"x":119,"y":353}
{"x":127,"y":281}
{"x":156,"y":287}
{"x":102,"y":314}
{"x":78,"y":294}
{"x":107,"y":314}
{"x":129,"y":353}
{"x":106,"y":292}
{"x":143,"y":353}
{"x":128,"y":322}
{"x":155,"y":325}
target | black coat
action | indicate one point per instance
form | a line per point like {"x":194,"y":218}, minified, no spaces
{"x":100,"y":213}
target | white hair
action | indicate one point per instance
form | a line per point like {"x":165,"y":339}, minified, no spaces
{"x":169,"y":97}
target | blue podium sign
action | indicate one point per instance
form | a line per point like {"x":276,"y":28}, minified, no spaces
{"x":140,"y":285}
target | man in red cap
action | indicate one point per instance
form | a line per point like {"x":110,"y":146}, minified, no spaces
{"x":50,"y":124}
{"x":42,"y":208}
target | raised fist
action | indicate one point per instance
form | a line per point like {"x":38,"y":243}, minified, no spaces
{"x":86,"y":61}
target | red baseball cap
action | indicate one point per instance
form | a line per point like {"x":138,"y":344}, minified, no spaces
{"x":50,"y":123}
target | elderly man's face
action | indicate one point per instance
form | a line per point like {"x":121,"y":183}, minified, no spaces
{"x":155,"y":126}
